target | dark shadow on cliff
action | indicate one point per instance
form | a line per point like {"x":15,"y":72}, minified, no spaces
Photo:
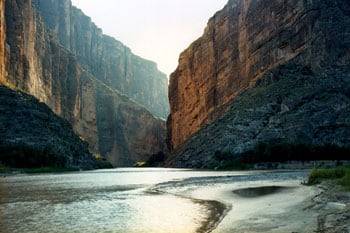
{"x":31,"y":135}
{"x":278,"y":152}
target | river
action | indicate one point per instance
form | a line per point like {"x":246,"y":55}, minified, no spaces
{"x":131,"y":200}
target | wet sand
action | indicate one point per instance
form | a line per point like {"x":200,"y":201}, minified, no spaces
{"x":273,"y":202}
{"x":280,"y":211}
{"x":278,"y":207}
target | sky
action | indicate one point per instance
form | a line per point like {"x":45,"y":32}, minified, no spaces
{"x":158,"y":30}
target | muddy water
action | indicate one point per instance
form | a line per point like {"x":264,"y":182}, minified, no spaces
{"x":120,"y":200}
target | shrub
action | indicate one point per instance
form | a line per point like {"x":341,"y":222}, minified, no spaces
{"x":156,"y":159}
{"x":340,"y":174}
{"x":317,"y":175}
{"x":49,"y":170}
{"x":228,"y":161}
{"x":345,"y":181}
{"x":24,"y":156}
{"x":103,"y":164}
{"x":141,"y":164}
{"x":3,"y":169}
{"x":278,"y":152}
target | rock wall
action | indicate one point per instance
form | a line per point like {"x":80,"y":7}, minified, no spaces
{"x":106,"y":58}
{"x":290,"y":105}
{"x":263,"y":72}
{"x":114,"y":126}
{"x":241,"y":44}
{"x":2,"y":40}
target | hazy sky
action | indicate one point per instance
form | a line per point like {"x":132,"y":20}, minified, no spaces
{"x":157,"y":30}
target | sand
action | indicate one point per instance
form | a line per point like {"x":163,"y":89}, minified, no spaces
{"x":278,"y":207}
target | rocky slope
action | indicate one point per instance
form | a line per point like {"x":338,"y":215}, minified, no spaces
{"x":263,"y":71}
{"x":106,"y":58}
{"x":244,"y":41}
{"x":115,"y":127}
{"x":33,"y":136}
{"x":289,"y":105}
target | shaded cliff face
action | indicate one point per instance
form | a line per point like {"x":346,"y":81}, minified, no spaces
{"x":114,"y":126}
{"x":33,"y":136}
{"x":106,"y":58}
{"x":2,"y":40}
{"x":126,"y":131}
{"x":240,"y":44}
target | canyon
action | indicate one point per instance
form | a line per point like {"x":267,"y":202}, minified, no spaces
{"x":267,"y":80}
{"x":262,"y":72}
{"x":114,"y":100}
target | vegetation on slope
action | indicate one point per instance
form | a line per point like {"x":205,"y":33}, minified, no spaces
{"x":278,"y":152}
{"x":32,"y":136}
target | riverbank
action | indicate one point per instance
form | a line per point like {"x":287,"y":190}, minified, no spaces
{"x":270,"y":201}
{"x":333,"y":208}
{"x":171,"y":200}
{"x":6,"y":171}
{"x":288,"y":206}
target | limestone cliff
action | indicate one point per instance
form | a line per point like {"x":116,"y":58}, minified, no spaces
{"x":291,"y":105}
{"x":250,"y":43}
{"x":240,"y":44}
{"x":106,"y":58}
{"x":38,"y":63}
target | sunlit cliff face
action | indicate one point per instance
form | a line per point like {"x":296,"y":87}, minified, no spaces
{"x":242,"y":43}
{"x":238,"y":47}
{"x":95,"y":82}
{"x":161,"y":30}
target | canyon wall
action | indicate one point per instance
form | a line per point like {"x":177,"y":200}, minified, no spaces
{"x":115,"y":126}
{"x":106,"y":58}
{"x":262,"y":71}
{"x":240,"y":44}
{"x":2,"y":40}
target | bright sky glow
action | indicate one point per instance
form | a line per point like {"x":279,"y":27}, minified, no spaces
{"x":157,"y":30}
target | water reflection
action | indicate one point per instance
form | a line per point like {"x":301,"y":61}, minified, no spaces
{"x":116,"y":200}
